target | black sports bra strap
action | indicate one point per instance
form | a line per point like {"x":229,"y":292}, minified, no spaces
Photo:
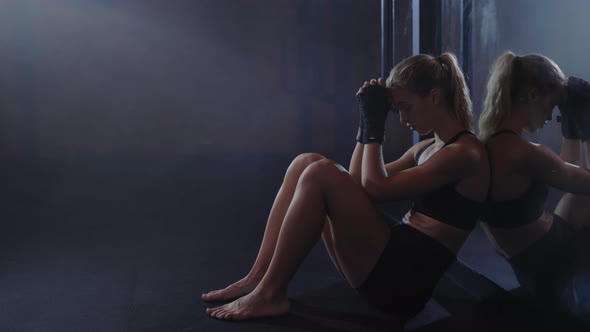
{"x":456,"y":137}
{"x":504,"y":131}
{"x":451,"y":141}
{"x":491,"y":169}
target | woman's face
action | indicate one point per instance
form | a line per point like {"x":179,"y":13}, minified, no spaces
{"x":541,"y":110}
{"x":414,"y":111}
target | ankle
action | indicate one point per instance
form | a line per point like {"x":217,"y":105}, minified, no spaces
{"x":270,"y":294}
{"x":254,"y":276}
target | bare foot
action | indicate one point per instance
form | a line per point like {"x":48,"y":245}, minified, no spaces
{"x":253,"y":305}
{"x":234,"y":291}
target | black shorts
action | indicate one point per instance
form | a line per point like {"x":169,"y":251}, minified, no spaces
{"x":405,"y":275}
{"x":555,"y":270}
{"x":540,"y":269}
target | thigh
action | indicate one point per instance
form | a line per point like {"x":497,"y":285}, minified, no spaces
{"x":358,"y":232}
{"x":329,"y":243}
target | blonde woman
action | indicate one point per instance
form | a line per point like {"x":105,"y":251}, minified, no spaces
{"x":543,"y":248}
{"x":393,"y":269}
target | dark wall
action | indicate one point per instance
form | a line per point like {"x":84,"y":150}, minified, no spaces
{"x":167,"y":78}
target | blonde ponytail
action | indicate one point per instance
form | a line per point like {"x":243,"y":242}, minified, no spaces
{"x":497,"y":104}
{"x":457,"y":91}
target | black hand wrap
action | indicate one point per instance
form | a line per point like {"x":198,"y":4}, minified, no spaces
{"x":569,"y":126}
{"x":575,"y":110}
{"x":373,"y":107}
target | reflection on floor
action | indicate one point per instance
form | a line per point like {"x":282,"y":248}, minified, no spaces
{"x":129,"y":245}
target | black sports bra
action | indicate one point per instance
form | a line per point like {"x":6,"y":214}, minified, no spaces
{"x":514,"y":212}
{"x":445,"y":204}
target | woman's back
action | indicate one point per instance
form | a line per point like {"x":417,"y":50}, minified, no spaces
{"x":504,"y":150}
{"x":515,"y":215}
{"x":450,"y":212}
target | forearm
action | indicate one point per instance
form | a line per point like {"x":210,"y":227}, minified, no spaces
{"x":373,"y":168}
{"x":577,"y":181}
{"x":571,"y":151}
{"x":356,"y":163}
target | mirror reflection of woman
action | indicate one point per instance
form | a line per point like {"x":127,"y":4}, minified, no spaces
{"x":544,"y":249}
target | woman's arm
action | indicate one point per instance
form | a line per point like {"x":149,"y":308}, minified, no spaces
{"x":406,"y":161}
{"x":571,"y":151}
{"x":451,"y":164}
{"x":356,"y":163}
{"x":545,"y":165}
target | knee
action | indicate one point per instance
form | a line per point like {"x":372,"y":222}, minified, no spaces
{"x":303,"y":160}
{"x":321,"y":172}
{"x":307,"y":158}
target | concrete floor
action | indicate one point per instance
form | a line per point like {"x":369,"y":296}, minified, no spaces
{"x":129,"y":245}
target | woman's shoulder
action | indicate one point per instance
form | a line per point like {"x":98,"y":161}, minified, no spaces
{"x":522,"y":154}
{"x":471,"y":146}
{"x":510,"y":145}
{"x":465,"y":155}
{"x":534,"y":153}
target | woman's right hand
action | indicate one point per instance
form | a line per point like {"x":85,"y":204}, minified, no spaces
{"x":374,"y":104}
{"x":575,"y":111}
{"x":379,"y":81}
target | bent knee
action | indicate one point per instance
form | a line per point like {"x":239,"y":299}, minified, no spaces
{"x":321,"y":171}
{"x":305,"y":159}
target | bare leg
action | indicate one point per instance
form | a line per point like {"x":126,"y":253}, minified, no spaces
{"x":355,"y":172}
{"x":271,"y":232}
{"x":275,"y":219}
{"x":359,"y":237}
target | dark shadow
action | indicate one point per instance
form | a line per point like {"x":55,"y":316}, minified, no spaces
{"x":390,"y":323}
{"x":323,"y":320}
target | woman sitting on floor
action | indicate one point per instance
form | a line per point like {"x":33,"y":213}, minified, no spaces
{"x":394,"y":269}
